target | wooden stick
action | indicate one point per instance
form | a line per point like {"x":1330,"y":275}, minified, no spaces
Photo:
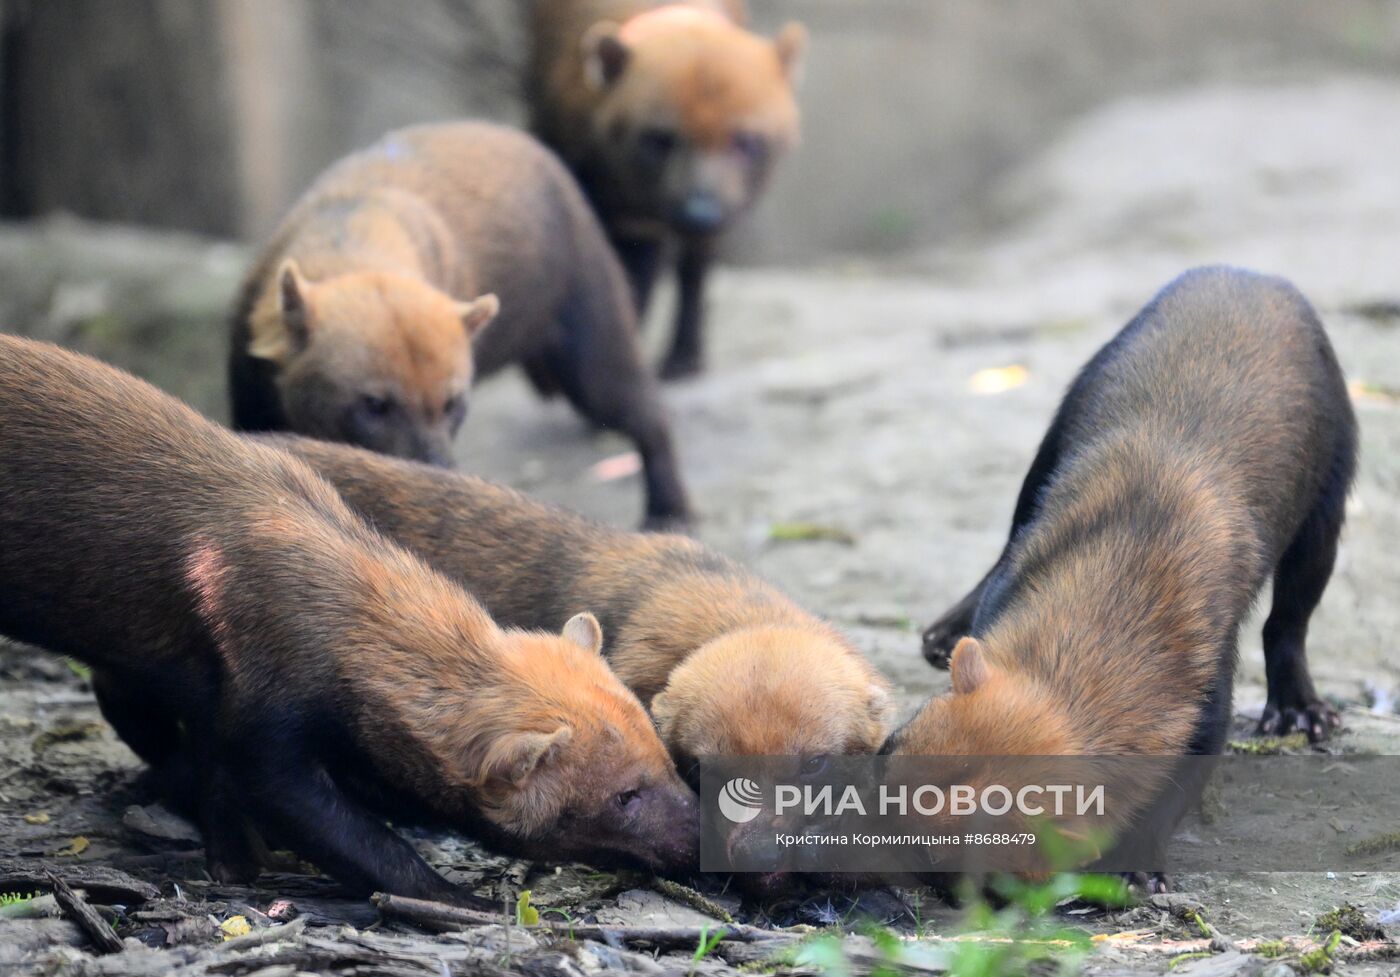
{"x":440,"y":917}
{"x":76,"y":908}
{"x":106,"y":885}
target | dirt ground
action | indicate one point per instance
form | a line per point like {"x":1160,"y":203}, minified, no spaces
{"x":873,"y":400}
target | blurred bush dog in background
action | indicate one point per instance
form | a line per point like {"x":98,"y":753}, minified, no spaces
{"x":726,"y":663}
{"x":364,"y":319}
{"x":1208,"y":446}
{"x":233,"y":607}
{"x":672,"y":116}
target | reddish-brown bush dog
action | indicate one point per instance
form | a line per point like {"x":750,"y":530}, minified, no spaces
{"x":364,"y":319}
{"x":727,"y":664}
{"x":233,"y":606}
{"x":672,"y":115}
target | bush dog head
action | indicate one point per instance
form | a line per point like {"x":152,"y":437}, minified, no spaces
{"x":373,"y":358}
{"x":772,"y":691}
{"x":991,"y":711}
{"x":587,"y":774}
{"x":527,"y":731}
{"x":692,"y":112}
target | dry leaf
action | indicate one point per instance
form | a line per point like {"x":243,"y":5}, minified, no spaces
{"x":998,"y":379}
{"x":808,"y":532}
{"x":75,"y":848}
{"x":235,"y":926}
{"x":1373,"y":392}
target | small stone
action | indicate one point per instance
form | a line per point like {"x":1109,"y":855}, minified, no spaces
{"x":1229,"y":964}
{"x":156,"y":822}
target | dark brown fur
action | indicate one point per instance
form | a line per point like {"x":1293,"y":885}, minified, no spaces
{"x":230,"y":603}
{"x":727,"y":664}
{"x":359,"y":339}
{"x":672,"y":115}
{"x":1208,"y":446}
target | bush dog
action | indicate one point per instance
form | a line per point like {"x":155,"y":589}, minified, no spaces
{"x":672,"y":116}
{"x":227,"y":597}
{"x":1210,"y":444}
{"x":364,"y":319}
{"x":727,"y":664}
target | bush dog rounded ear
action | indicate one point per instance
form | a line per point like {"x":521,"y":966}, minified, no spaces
{"x":790,"y":44}
{"x":479,"y":312}
{"x":584,"y":631}
{"x":969,"y":666}
{"x":288,"y":331}
{"x":605,"y":55}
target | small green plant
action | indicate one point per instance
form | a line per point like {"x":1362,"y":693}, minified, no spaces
{"x":824,"y":954}
{"x":1377,"y":845}
{"x":1181,"y":958}
{"x":1319,"y":961}
{"x":1351,"y":921}
{"x":1272,"y":949}
{"x":79,"y":669}
{"x":566,"y":917}
{"x":1009,"y":941}
{"x":17,"y":905}
{"x":525,"y":914}
{"x":709,"y":939}
{"x":1270,"y":745}
{"x":890,"y":949}
{"x":916,"y":905}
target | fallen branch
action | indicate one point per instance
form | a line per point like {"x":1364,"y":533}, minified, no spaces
{"x":106,"y":885}
{"x":268,"y":934}
{"x":687,"y":896}
{"x":442,"y":918}
{"x":76,"y":908}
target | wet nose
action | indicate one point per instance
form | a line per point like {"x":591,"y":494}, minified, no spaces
{"x":701,"y":213}
{"x":673,"y":826}
{"x":686,"y":822}
{"x":435,"y":452}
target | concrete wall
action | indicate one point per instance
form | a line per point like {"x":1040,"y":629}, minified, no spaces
{"x":912,"y":107}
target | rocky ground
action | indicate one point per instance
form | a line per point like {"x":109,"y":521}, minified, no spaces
{"x":888,"y":412}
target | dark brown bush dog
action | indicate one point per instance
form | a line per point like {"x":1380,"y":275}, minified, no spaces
{"x":1207,"y":447}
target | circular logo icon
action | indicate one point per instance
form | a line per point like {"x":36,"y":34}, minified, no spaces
{"x":740,"y":800}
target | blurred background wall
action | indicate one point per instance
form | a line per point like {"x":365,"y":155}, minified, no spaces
{"x":211,"y":115}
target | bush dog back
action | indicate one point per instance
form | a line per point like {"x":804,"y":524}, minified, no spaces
{"x":220,"y":587}
{"x":727,"y":664}
{"x":366,"y":316}
{"x":1207,"y":446}
{"x":672,"y":115}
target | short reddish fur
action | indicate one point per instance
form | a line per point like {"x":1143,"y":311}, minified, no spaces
{"x":728,"y":664}
{"x":220,"y":584}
